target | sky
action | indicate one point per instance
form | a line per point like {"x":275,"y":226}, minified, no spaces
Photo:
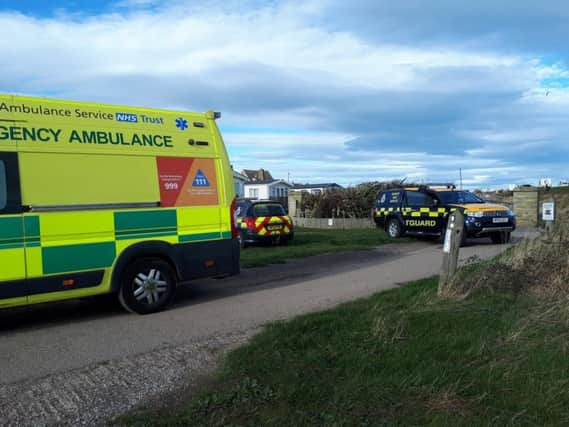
{"x":322,"y":90}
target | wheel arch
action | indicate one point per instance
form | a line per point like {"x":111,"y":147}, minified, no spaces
{"x":157,"y":249}
{"x":396,"y":217}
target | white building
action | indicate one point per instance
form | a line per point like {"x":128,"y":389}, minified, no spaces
{"x":275,"y":189}
{"x":240,"y":181}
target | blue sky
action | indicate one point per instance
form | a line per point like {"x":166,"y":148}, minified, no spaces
{"x":325,"y":90}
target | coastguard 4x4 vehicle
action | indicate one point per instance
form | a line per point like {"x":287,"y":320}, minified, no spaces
{"x":263,"y":221}
{"x":424,"y":210}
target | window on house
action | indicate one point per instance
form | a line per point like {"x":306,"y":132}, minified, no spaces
{"x":254,"y":193}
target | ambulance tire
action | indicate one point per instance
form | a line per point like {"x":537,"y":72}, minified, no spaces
{"x":147,"y":285}
{"x":393,"y":228}
{"x":283,"y":241}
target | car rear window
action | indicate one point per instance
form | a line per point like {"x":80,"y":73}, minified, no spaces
{"x":389,"y":198}
{"x":241,"y":210}
{"x":418,"y":199}
{"x":268,"y":209}
{"x":3,"y":187}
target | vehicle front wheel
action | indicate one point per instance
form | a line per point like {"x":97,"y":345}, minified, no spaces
{"x":394,"y":229}
{"x":147,"y":285}
{"x":500,"y":237}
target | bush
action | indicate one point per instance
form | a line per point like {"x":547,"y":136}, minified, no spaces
{"x":351,"y":202}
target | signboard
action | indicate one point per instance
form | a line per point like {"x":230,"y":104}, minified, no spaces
{"x":186,"y":181}
{"x":548,"y":211}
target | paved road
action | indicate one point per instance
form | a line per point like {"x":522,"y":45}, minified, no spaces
{"x":76,"y":346}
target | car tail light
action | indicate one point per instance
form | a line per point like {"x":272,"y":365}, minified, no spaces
{"x":233,"y":219}
{"x":250,"y":223}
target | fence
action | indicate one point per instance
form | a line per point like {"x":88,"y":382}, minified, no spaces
{"x":334,"y":223}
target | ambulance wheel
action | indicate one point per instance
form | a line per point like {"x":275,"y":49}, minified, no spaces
{"x":147,"y":285}
{"x":283,"y":241}
{"x":500,"y":237}
{"x":394,"y":229}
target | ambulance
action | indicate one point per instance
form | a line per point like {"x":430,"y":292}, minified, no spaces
{"x":98,"y":199}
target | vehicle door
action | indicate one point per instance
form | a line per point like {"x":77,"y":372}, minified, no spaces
{"x":388,"y":205}
{"x":420,"y":213}
{"x":13,"y":286}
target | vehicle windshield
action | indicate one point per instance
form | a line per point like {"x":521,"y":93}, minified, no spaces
{"x":449,"y":197}
{"x":268,"y":209}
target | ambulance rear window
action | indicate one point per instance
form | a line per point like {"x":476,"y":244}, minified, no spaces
{"x":268,"y":209}
{"x":3,"y":186}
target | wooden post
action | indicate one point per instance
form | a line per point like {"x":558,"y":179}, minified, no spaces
{"x":451,"y":247}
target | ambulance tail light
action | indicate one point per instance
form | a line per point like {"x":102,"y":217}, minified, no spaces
{"x":233,"y":219}
{"x":250,"y":222}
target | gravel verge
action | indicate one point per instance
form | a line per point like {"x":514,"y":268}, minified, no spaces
{"x":94,"y":395}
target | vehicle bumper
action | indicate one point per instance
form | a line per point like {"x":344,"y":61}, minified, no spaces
{"x":481,"y":227}
{"x":272,"y":238}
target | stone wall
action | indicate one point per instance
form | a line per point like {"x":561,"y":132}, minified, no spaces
{"x":525,"y":206}
{"x":528,"y":205}
{"x":560,"y":196}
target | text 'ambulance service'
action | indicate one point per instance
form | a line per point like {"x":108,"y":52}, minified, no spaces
{"x":101,"y":199}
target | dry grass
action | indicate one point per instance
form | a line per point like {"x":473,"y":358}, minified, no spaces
{"x":538,"y":266}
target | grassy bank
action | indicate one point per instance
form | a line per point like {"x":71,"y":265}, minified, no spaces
{"x":491,"y":350}
{"x":402,"y":357}
{"x":309,"y":241}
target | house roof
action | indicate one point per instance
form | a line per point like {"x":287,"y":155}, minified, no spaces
{"x":239,"y":176}
{"x":257,"y":175}
{"x":312,"y":186}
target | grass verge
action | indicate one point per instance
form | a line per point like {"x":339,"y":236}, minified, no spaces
{"x":401,"y":357}
{"x":310,"y":241}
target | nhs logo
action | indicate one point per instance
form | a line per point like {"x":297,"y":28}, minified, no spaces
{"x":126,"y":117}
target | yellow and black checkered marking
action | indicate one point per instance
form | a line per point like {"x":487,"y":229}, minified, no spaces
{"x":414,"y":212}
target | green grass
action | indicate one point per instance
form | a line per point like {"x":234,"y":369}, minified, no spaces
{"x":401,"y":357}
{"x":309,"y":241}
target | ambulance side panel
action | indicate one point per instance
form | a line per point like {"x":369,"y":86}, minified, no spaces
{"x":98,"y":193}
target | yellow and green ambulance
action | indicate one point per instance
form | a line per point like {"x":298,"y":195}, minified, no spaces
{"x":99,"y":199}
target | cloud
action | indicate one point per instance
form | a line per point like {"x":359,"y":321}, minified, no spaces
{"x":506,"y":25}
{"x":377,"y":91}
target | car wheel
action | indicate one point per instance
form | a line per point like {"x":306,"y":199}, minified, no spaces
{"x":394,"y":228}
{"x":283,"y":241}
{"x":241,"y":241}
{"x":147,"y":285}
{"x":500,"y":237}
